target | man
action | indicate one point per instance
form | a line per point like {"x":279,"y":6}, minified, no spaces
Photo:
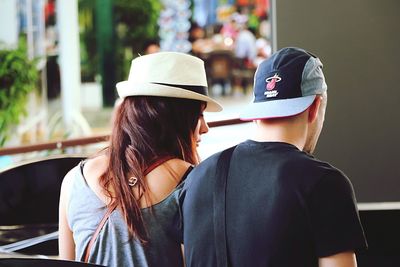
{"x":151,"y":46}
{"x":245,"y":45}
{"x":275,"y":204}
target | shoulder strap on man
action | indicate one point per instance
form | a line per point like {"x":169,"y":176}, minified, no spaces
{"x":219,"y":198}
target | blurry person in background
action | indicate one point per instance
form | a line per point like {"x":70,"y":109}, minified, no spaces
{"x":263,"y":43}
{"x":263,"y":50}
{"x":197,"y":37}
{"x":245,"y":44}
{"x":245,"y":53}
{"x":120,"y":207}
{"x":151,"y":46}
{"x":196,"y":32}
{"x":228,"y":29}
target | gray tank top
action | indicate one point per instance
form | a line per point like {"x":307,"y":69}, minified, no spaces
{"x":113,"y":246}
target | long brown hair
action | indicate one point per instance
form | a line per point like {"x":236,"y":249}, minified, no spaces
{"x":144,"y":129}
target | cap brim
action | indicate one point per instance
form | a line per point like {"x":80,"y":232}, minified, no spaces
{"x":276,"y":108}
{"x":126,"y":88}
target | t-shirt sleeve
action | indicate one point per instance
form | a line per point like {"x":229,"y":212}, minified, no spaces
{"x":334,"y":216}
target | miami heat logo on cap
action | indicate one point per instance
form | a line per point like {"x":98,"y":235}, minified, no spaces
{"x":271,"y":83}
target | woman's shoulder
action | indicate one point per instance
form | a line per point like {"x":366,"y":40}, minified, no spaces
{"x":69,"y":178}
{"x":163,"y":180}
{"x":92,"y":170}
{"x":95,"y":167}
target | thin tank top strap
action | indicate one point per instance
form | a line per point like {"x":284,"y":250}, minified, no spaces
{"x":189,"y":169}
{"x":157,"y":163}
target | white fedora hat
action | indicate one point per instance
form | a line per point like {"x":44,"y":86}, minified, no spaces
{"x":168,"y":74}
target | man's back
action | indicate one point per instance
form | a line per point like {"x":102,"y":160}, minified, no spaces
{"x":283,"y":208}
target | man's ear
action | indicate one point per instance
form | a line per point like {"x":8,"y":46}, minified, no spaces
{"x":313,"y":109}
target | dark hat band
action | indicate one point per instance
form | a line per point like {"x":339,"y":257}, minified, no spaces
{"x":194,"y":88}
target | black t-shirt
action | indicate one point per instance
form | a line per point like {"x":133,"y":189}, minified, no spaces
{"x":283,"y":208}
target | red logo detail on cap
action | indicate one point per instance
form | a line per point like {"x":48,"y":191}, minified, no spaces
{"x":271,"y":81}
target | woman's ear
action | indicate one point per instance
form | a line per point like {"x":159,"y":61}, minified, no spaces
{"x":313,"y":109}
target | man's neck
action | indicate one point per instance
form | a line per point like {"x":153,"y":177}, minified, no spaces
{"x":291,"y":132}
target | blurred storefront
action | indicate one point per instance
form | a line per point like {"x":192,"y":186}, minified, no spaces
{"x":96,"y":41}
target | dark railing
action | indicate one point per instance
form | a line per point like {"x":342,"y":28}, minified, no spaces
{"x":61,"y":144}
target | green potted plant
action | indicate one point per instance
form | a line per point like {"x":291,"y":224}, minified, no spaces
{"x":18,"y":77}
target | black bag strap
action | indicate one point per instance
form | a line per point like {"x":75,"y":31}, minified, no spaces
{"x":219,"y":198}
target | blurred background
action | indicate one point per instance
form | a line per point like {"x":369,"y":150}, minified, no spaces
{"x":64,"y":58}
{"x":60,"y":61}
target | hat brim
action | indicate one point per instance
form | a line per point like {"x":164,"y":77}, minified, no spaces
{"x":276,"y":108}
{"x":126,"y":88}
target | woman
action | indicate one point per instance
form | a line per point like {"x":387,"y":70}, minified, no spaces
{"x":128,"y":191}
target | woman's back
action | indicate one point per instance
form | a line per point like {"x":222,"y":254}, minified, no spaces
{"x":113,"y":247}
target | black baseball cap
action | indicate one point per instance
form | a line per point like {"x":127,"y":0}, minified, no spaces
{"x":285,"y":84}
